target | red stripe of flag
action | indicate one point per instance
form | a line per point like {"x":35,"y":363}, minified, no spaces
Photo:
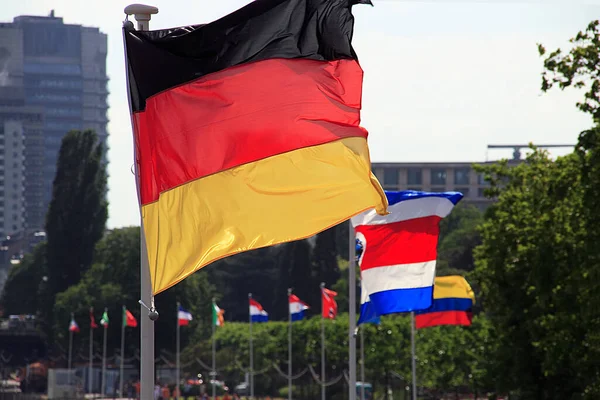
{"x":443,"y":318}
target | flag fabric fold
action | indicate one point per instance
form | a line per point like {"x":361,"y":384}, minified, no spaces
{"x":247,"y":132}
{"x":329,"y":309}
{"x":257,"y":313}
{"x":297,"y":307}
{"x":453,"y":301}
{"x":399,"y":250}
{"x":73,"y":327}
{"x":93,"y":324}
{"x":184,"y":317}
{"x":128,"y":319}
{"x":367,"y":311}
{"x":218,"y":315}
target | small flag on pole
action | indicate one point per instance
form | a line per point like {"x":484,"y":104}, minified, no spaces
{"x":257,"y":313}
{"x":218,"y":315}
{"x":329,"y":305}
{"x":104,"y":319}
{"x":73,"y":327}
{"x":128,"y":319}
{"x":93,"y":323}
{"x":297,"y":307}
{"x":453,"y":301}
{"x":184,"y":316}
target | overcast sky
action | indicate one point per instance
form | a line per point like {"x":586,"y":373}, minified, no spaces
{"x":443,"y":79}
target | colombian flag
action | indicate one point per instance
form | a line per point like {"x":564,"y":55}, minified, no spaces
{"x":453,"y":301}
{"x":247,"y":132}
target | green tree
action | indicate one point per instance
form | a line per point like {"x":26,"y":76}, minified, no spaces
{"x":77,"y":214}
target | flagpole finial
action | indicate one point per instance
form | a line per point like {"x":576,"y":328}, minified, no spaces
{"x":249,"y":295}
{"x":289,"y":291}
{"x":322,"y":285}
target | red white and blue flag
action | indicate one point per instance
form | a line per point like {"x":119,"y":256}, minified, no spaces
{"x":297,"y":307}
{"x":73,"y":327}
{"x":183,"y":316}
{"x":397,"y":252}
{"x":257,"y":313}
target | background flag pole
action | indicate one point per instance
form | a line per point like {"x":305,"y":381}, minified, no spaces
{"x":414,"y":355}
{"x":251,"y":375}
{"x":289,"y":346}
{"x":322,"y":345}
{"x":142,"y":14}
{"x":351,"y":312}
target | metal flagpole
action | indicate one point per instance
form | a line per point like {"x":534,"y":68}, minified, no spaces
{"x":70,"y":348}
{"x":351,"y":312}
{"x":251,"y":378}
{"x":214,"y":352}
{"x":289,"y":347}
{"x":322,"y":345}
{"x":142,"y":14}
{"x":122,"y":353}
{"x":362,"y":363}
{"x":414,"y":355}
{"x":177,"y":359}
{"x":102,"y":390}
{"x":90,"y":374}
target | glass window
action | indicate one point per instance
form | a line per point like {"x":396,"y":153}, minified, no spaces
{"x":438,"y":176}
{"x":390,"y":177}
{"x":414,"y":176}
{"x":461,"y":176}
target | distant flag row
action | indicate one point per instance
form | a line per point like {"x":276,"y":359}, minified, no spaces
{"x":397,"y":256}
{"x":128,"y":320}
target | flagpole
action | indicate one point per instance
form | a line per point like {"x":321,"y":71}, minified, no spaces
{"x":122,"y":354}
{"x":177,"y":355}
{"x":289,"y":346}
{"x":142,"y":14}
{"x":90,"y":375}
{"x":102,"y":390}
{"x":214,"y":352}
{"x":251,"y":378}
{"x":322,"y":345}
{"x":414,"y":356}
{"x":362,"y":363}
{"x":351,"y":312}
{"x":70,"y":347}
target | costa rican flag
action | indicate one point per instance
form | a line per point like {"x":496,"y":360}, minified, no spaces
{"x":257,"y":313}
{"x":397,"y":252}
{"x":297,"y":307}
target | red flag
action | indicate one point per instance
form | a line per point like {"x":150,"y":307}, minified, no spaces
{"x":129,"y":319}
{"x":93,"y":323}
{"x":329,"y":304}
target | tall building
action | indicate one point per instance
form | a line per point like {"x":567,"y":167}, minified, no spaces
{"x":53,"y":73}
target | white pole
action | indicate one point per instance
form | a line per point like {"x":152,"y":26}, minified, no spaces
{"x":362,"y":363}
{"x":177,"y":355}
{"x":214,"y":352}
{"x":102,"y":390}
{"x":351,"y":311}
{"x":414,"y":355}
{"x":70,"y":349}
{"x":251,"y":378}
{"x":289,"y":346}
{"x":143,"y":14}
{"x":90,"y":374}
{"x":122,"y":353}
{"x":322,"y":345}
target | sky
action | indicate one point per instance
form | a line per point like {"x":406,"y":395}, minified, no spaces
{"x":443,"y":79}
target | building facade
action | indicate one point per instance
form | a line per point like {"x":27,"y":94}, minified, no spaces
{"x":58,"y":71}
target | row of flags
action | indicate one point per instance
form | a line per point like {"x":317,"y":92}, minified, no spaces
{"x":128,"y":320}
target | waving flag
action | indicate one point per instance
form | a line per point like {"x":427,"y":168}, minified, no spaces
{"x":93,"y":323}
{"x":247,"y":132}
{"x":183,"y":316}
{"x":330,"y":308}
{"x":399,"y":250}
{"x":128,"y":319}
{"x":297,"y":307}
{"x":257,"y":314}
{"x":104,"y":319}
{"x":367,"y":311}
{"x":218,"y":317}
{"x":73,"y":327}
{"x":453,"y":301}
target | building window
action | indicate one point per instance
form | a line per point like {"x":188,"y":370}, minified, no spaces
{"x":438,"y":189}
{"x":461,"y":176}
{"x":463,"y":190}
{"x":480,"y":192}
{"x":414,"y":176}
{"x":438,"y":176}
{"x":390,"y":177}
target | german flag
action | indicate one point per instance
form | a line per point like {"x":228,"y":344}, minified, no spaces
{"x":247,"y":132}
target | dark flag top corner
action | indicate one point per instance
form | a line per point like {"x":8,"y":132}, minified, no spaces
{"x":247,"y":132}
